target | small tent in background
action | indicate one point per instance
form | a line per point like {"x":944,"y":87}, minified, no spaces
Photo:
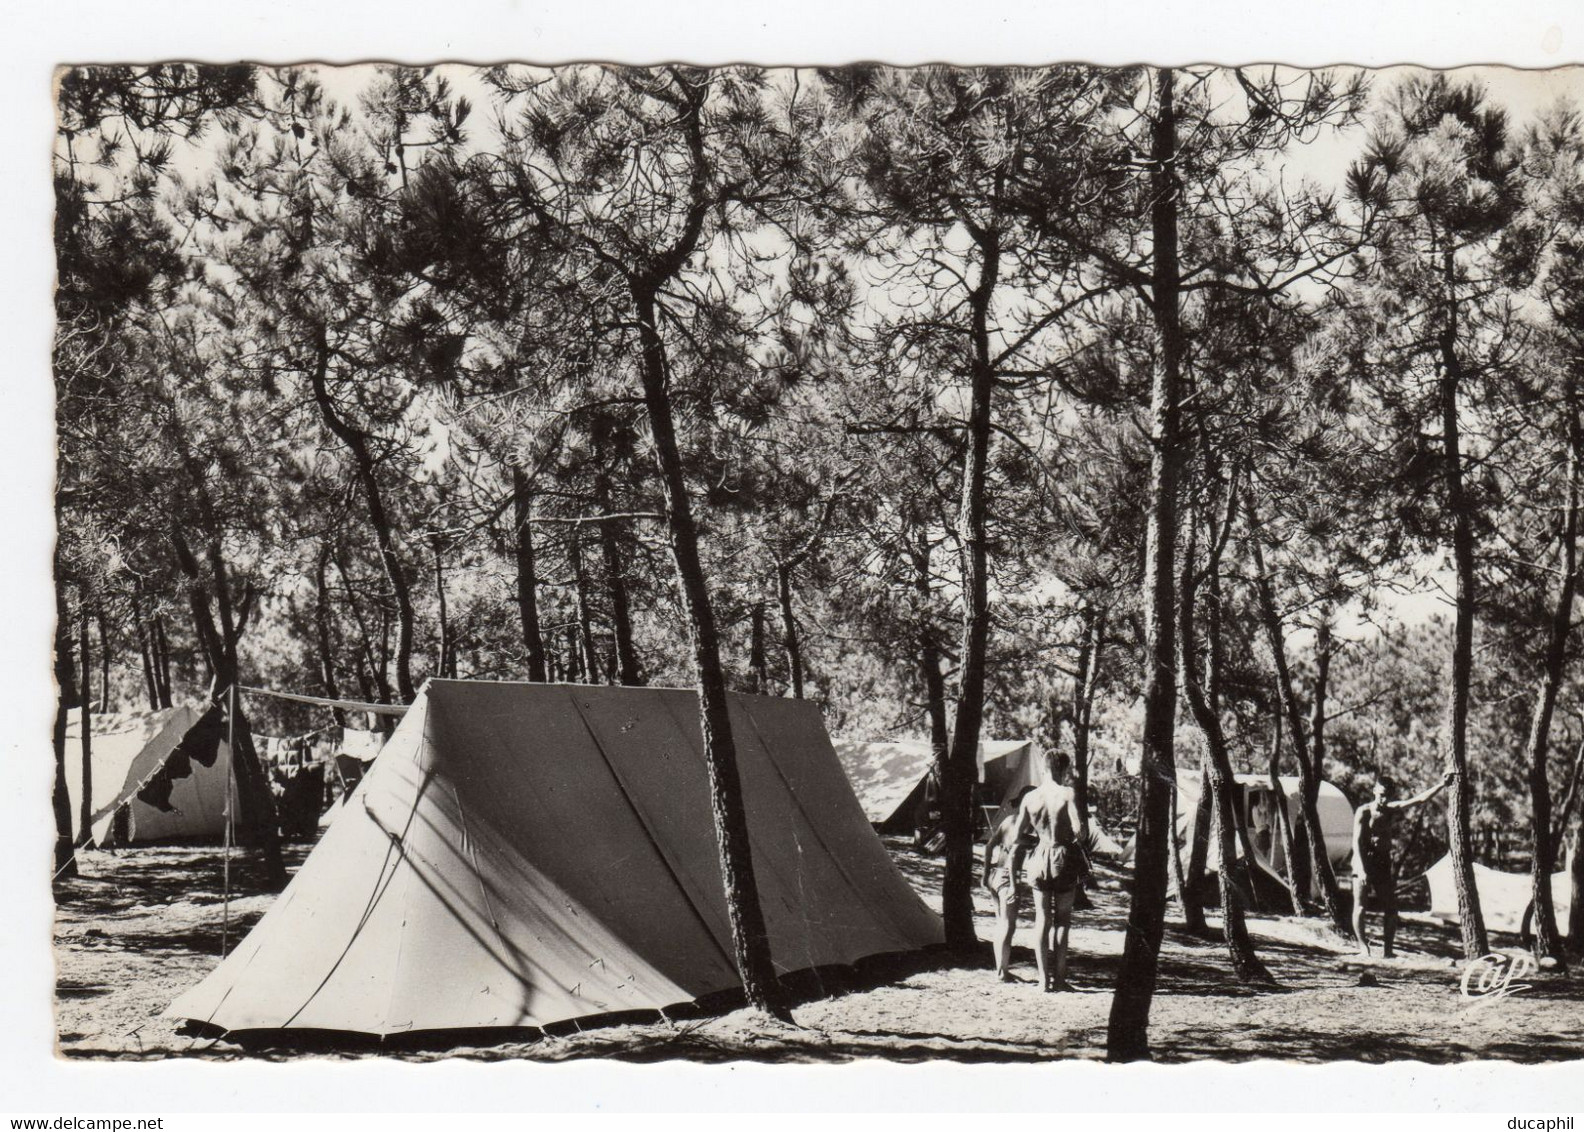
{"x":1503,"y":897}
{"x":1006,"y":766}
{"x":890,"y":778}
{"x":523,"y":854}
{"x":170,"y":768}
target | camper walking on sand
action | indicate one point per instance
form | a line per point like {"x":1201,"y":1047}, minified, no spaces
{"x":1372,"y":857}
{"x":1056,"y":866}
{"x":1003,"y":857}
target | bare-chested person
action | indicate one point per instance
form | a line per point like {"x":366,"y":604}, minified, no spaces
{"x":1056,"y":866}
{"x":1003,"y":857}
{"x":1373,"y":826}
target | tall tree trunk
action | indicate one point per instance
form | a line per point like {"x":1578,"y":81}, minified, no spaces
{"x":750,"y":939}
{"x":208,"y":648}
{"x":1547,"y":941}
{"x":85,"y":705}
{"x":930,"y":661}
{"x":162,"y":661}
{"x":628,"y":671}
{"x":758,"y":672}
{"x":141,"y":634}
{"x":1127,"y":1037}
{"x":785,"y":567}
{"x":257,"y":827}
{"x":1179,"y":875}
{"x":104,"y":663}
{"x":1576,"y":892}
{"x":1308,"y":773}
{"x":375,"y":665}
{"x":365,"y":678}
{"x":589,"y":661}
{"x":1460,"y":800}
{"x":384,"y":647}
{"x":573,"y":663}
{"x":1303,"y":871}
{"x":1192,"y":882}
{"x":1214,"y":668}
{"x":1083,"y":705}
{"x":445,"y":662}
{"x":1219,"y":781}
{"x":961,"y":769}
{"x":363,"y":465}
{"x":65,"y":695}
{"x":1240,"y":948}
{"x":1246,"y":865}
{"x":1324,"y":652}
{"x":1284,"y":828}
{"x":527,"y":576}
{"x":789,"y":630}
{"x":324,"y":634}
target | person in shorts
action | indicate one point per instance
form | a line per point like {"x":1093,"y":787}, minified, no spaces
{"x":1056,"y":866}
{"x":1003,"y":858}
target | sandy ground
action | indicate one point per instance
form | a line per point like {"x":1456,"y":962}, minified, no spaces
{"x":141,"y":925}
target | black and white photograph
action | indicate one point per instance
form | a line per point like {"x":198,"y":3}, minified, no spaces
{"x":799,"y":564}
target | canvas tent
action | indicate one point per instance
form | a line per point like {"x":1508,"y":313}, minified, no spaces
{"x":890,"y":777}
{"x":1005,"y":767}
{"x":887,"y":777}
{"x":1503,"y":897}
{"x":170,"y":768}
{"x":523,"y":854}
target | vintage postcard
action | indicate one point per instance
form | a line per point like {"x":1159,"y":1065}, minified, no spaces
{"x":785,"y":565}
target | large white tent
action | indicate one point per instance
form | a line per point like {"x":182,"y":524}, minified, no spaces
{"x":523,"y":854}
{"x":1503,"y":897}
{"x":170,"y":768}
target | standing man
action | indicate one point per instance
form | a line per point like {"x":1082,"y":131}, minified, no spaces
{"x":1372,"y":856}
{"x":1056,"y":866}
